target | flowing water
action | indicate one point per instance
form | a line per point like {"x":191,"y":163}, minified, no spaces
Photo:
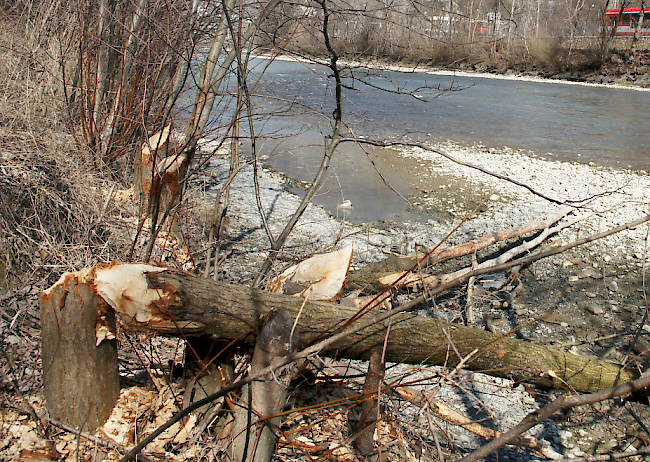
{"x":607,"y":126}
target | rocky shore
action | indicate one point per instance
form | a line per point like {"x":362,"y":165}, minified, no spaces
{"x":589,"y":300}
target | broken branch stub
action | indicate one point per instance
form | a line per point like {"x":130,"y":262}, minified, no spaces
{"x":257,"y":441}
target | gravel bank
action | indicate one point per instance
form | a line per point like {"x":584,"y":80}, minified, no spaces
{"x":589,"y":292}
{"x":450,"y":192}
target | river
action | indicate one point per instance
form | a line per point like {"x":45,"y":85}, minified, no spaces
{"x":607,"y":126}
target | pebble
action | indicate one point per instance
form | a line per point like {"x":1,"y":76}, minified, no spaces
{"x":590,"y":294}
{"x":613,"y":286}
{"x":589,"y":272}
{"x":594,"y":308}
{"x":527,"y":399}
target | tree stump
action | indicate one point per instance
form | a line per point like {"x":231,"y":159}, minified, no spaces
{"x":79,"y":353}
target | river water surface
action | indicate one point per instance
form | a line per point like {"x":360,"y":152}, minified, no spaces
{"x":607,"y":126}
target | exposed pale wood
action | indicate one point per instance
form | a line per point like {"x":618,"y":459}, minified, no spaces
{"x":80,"y":378}
{"x":198,"y":306}
{"x":153,"y":151}
{"x":320,"y":277}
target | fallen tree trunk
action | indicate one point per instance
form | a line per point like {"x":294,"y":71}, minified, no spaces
{"x":152,"y":299}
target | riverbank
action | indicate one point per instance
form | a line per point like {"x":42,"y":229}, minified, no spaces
{"x":589,"y":300}
{"x":458,"y":197}
{"x":449,"y":192}
{"x":614,"y":75}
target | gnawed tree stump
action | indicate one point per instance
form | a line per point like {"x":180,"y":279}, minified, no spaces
{"x":79,"y":352}
{"x":153,"y":151}
{"x":157,"y":176}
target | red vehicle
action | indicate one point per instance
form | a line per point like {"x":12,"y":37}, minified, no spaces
{"x":627,"y":21}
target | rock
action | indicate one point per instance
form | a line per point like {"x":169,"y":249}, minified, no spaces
{"x":593,"y":308}
{"x":589,"y":272}
{"x":613,"y":286}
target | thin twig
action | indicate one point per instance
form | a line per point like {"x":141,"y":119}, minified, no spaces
{"x":475,"y":167}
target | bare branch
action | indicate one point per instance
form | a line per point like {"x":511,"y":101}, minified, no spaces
{"x":565,"y":402}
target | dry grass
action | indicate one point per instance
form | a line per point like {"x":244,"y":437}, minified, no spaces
{"x":50,"y":200}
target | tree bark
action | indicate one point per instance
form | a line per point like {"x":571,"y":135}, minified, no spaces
{"x":152,"y":299}
{"x":257,"y":420}
{"x":364,"y":442}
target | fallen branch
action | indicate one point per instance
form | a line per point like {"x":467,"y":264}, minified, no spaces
{"x":164,"y":299}
{"x":395,"y":264}
{"x":435,"y":280}
{"x":422,"y":399}
{"x":606,"y":457}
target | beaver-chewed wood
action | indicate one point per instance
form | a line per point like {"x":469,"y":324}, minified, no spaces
{"x":152,"y":299}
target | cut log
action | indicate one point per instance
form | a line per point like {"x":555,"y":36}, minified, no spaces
{"x":79,"y":353}
{"x":152,"y":299}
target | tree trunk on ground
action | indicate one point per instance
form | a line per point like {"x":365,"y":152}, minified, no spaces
{"x":152,"y":299}
{"x":81,"y":380}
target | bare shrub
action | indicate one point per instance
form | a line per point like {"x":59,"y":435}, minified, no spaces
{"x":547,"y":52}
{"x":50,"y":202}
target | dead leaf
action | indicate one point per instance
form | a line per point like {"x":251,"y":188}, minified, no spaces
{"x":39,"y":454}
